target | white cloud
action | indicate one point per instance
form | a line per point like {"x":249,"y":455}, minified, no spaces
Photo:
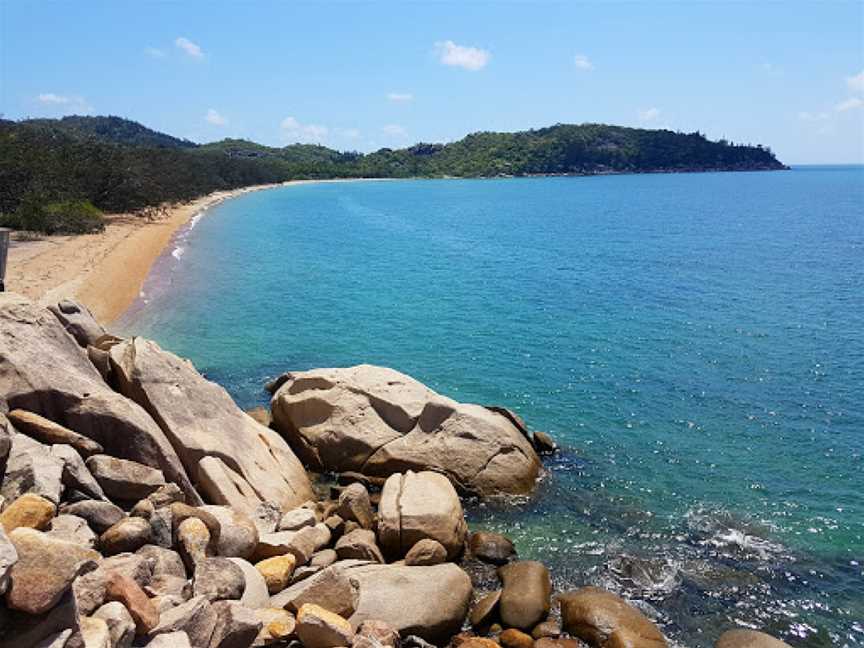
{"x":68,"y":105}
{"x":189,"y":47}
{"x":213,"y":117}
{"x":649,"y":115}
{"x":582,"y":62}
{"x":155,"y":52}
{"x":400,"y":96}
{"x":849,"y":104}
{"x":394,"y":130}
{"x":294,"y":131}
{"x":469,"y":58}
{"x":855,"y":83}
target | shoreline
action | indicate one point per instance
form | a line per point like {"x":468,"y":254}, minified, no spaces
{"x":106,"y":271}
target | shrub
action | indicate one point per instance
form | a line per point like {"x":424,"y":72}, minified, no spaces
{"x":64,"y":217}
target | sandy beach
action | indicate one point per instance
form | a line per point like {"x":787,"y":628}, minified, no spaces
{"x":105,"y":271}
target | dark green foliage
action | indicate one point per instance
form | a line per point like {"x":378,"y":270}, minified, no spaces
{"x":119,"y":165}
{"x":65,"y":217}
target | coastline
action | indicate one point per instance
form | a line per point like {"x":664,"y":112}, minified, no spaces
{"x":106,"y":271}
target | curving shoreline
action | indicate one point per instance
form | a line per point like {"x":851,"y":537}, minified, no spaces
{"x":106,"y":271}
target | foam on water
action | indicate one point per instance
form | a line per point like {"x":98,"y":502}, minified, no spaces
{"x":695,"y":343}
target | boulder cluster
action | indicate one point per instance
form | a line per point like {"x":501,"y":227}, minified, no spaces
{"x":140,"y":507}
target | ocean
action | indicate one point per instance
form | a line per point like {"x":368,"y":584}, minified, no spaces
{"x":694,"y":342}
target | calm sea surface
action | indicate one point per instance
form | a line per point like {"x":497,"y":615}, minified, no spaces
{"x":694,"y":342}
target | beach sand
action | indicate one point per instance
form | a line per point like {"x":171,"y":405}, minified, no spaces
{"x":104,"y":271}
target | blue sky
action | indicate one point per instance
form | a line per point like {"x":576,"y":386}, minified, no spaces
{"x":366,"y":75}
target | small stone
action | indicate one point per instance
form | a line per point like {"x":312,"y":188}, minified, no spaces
{"x":123,"y":479}
{"x":301,"y":544}
{"x":564,"y":642}
{"x":426,"y":552}
{"x":182,"y":512}
{"x":193,"y":540}
{"x":166,"y":496}
{"x":165,"y":561}
{"x":336,"y":525}
{"x":162,"y":527}
{"x":75,"y":475}
{"x":171,"y":640}
{"x":302,"y":573}
{"x":143,"y":509}
{"x":477,"y":642}
{"x":331,"y":589}
{"x":491,"y":547}
{"x":30,"y":511}
{"x":255,"y":594}
{"x":124,"y":590}
{"x":320,"y":628}
{"x":277,"y":625}
{"x":485,"y":610}
{"x":277,"y":571}
{"x":513,"y":638}
{"x":297,"y":519}
{"x":45,"y":569}
{"x":218,"y":579}
{"x":546,"y":629}
{"x":266,"y":517}
{"x":72,"y":528}
{"x":354,"y":505}
{"x":121,"y":626}
{"x":359,"y":544}
{"x":166,"y":585}
{"x":236,"y":625}
{"x":31,"y":468}
{"x":376,"y":634}
{"x":323,"y":558}
{"x":238,"y":535}
{"x":94,"y":633}
{"x":194,"y":617}
{"x":543,"y":443}
{"x":128,"y":535}
{"x":99,"y":515}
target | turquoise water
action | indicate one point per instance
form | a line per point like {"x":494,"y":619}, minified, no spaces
{"x":695,"y":342}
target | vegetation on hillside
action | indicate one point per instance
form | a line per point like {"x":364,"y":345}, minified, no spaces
{"x":117,"y":165}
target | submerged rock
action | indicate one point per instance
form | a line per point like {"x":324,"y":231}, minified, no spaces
{"x":378,"y":421}
{"x":748,"y":639}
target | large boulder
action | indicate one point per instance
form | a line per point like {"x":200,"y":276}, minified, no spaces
{"x":32,"y":468}
{"x":742,"y":638}
{"x":43,"y":370}
{"x":377,"y":421}
{"x":526,"y":594}
{"x":417,"y":506}
{"x":430,"y":602}
{"x":601,"y":618}
{"x":249,"y":462}
{"x":49,"y":432}
{"x":78,"y":321}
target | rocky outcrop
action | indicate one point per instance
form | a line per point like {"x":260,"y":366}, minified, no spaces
{"x":201,"y":420}
{"x":377,"y":421}
{"x":418,"y":506}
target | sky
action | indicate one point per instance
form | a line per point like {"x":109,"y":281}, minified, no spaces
{"x":361,"y":76}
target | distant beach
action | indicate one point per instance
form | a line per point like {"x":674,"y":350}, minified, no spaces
{"x":106,"y":271}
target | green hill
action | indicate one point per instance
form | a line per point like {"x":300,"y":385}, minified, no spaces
{"x":119,"y":165}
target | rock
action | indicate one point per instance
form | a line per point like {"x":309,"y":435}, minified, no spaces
{"x":561,"y":642}
{"x":266,"y":517}
{"x":30,"y":467}
{"x":50,"y":433}
{"x":323,"y":558}
{"x":255,"y":594}
{"x":165,"y":561}
{"x":485,"y":610}
{"x":277,"y":571}
{"x":546,"y":629}
{"x":525,"y":595}
{"x":378,"y":421}
{"x":354,"y":504}
{"x":193,"y":540}
{"x":375,"y":634}
{"x":203,"y":421}
{"x":122,"y":479}
{"x":123,"y":589}
{"x":331,"y":589}
{"x":336,"y":525}
{"x":43,"y":370}
{"x":277,"y":625}
{"x":166,"y":496}
{"x":121,"y":626}
{"x":421,"y":505}
{"x":272,"y":386}
{"x":45,"y":569}
{"x":57,"y":640}
{"x":513,"y":638}
{"x":78,"y":322}
{"x":601,"y":618}
{"x":162,"y":527}
{"x":491,"y":547}
{"x":302,"y":573}
{"x":218,"y":579}
{"x":741,"y":638}
{"x":301,"y":544}
{"x":236,"y":626}
{"x":320,"y":628}
{"x":74,"y":529}
{"x":166,"y":585}
{"x":99,"y":515}
{"x":6,"y":434}
{"x":297,"y":519}
{"x":426,"y":552}
{"x":89,"y":588}
{"x":28,"y":511}
{"x":181,"y":512}
{"x":172,"y":640}
{"x":476,"y":642}
{"x":260,"y":415}
{"x":430,"y":602}
{"x":360,"y":545}
{"x":8,"y":557}
{"x":128,"y":535}
{"x":75,"y":475}
{"x":143,"y":509}
{"x":101,"y":360}
{"x":94,"y":633}
{"x":543,"y":443}
{"x":238,"y":535}
{"x":168,"y":602}
{"x":22,"y":630}
{"x":195,"y":617}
